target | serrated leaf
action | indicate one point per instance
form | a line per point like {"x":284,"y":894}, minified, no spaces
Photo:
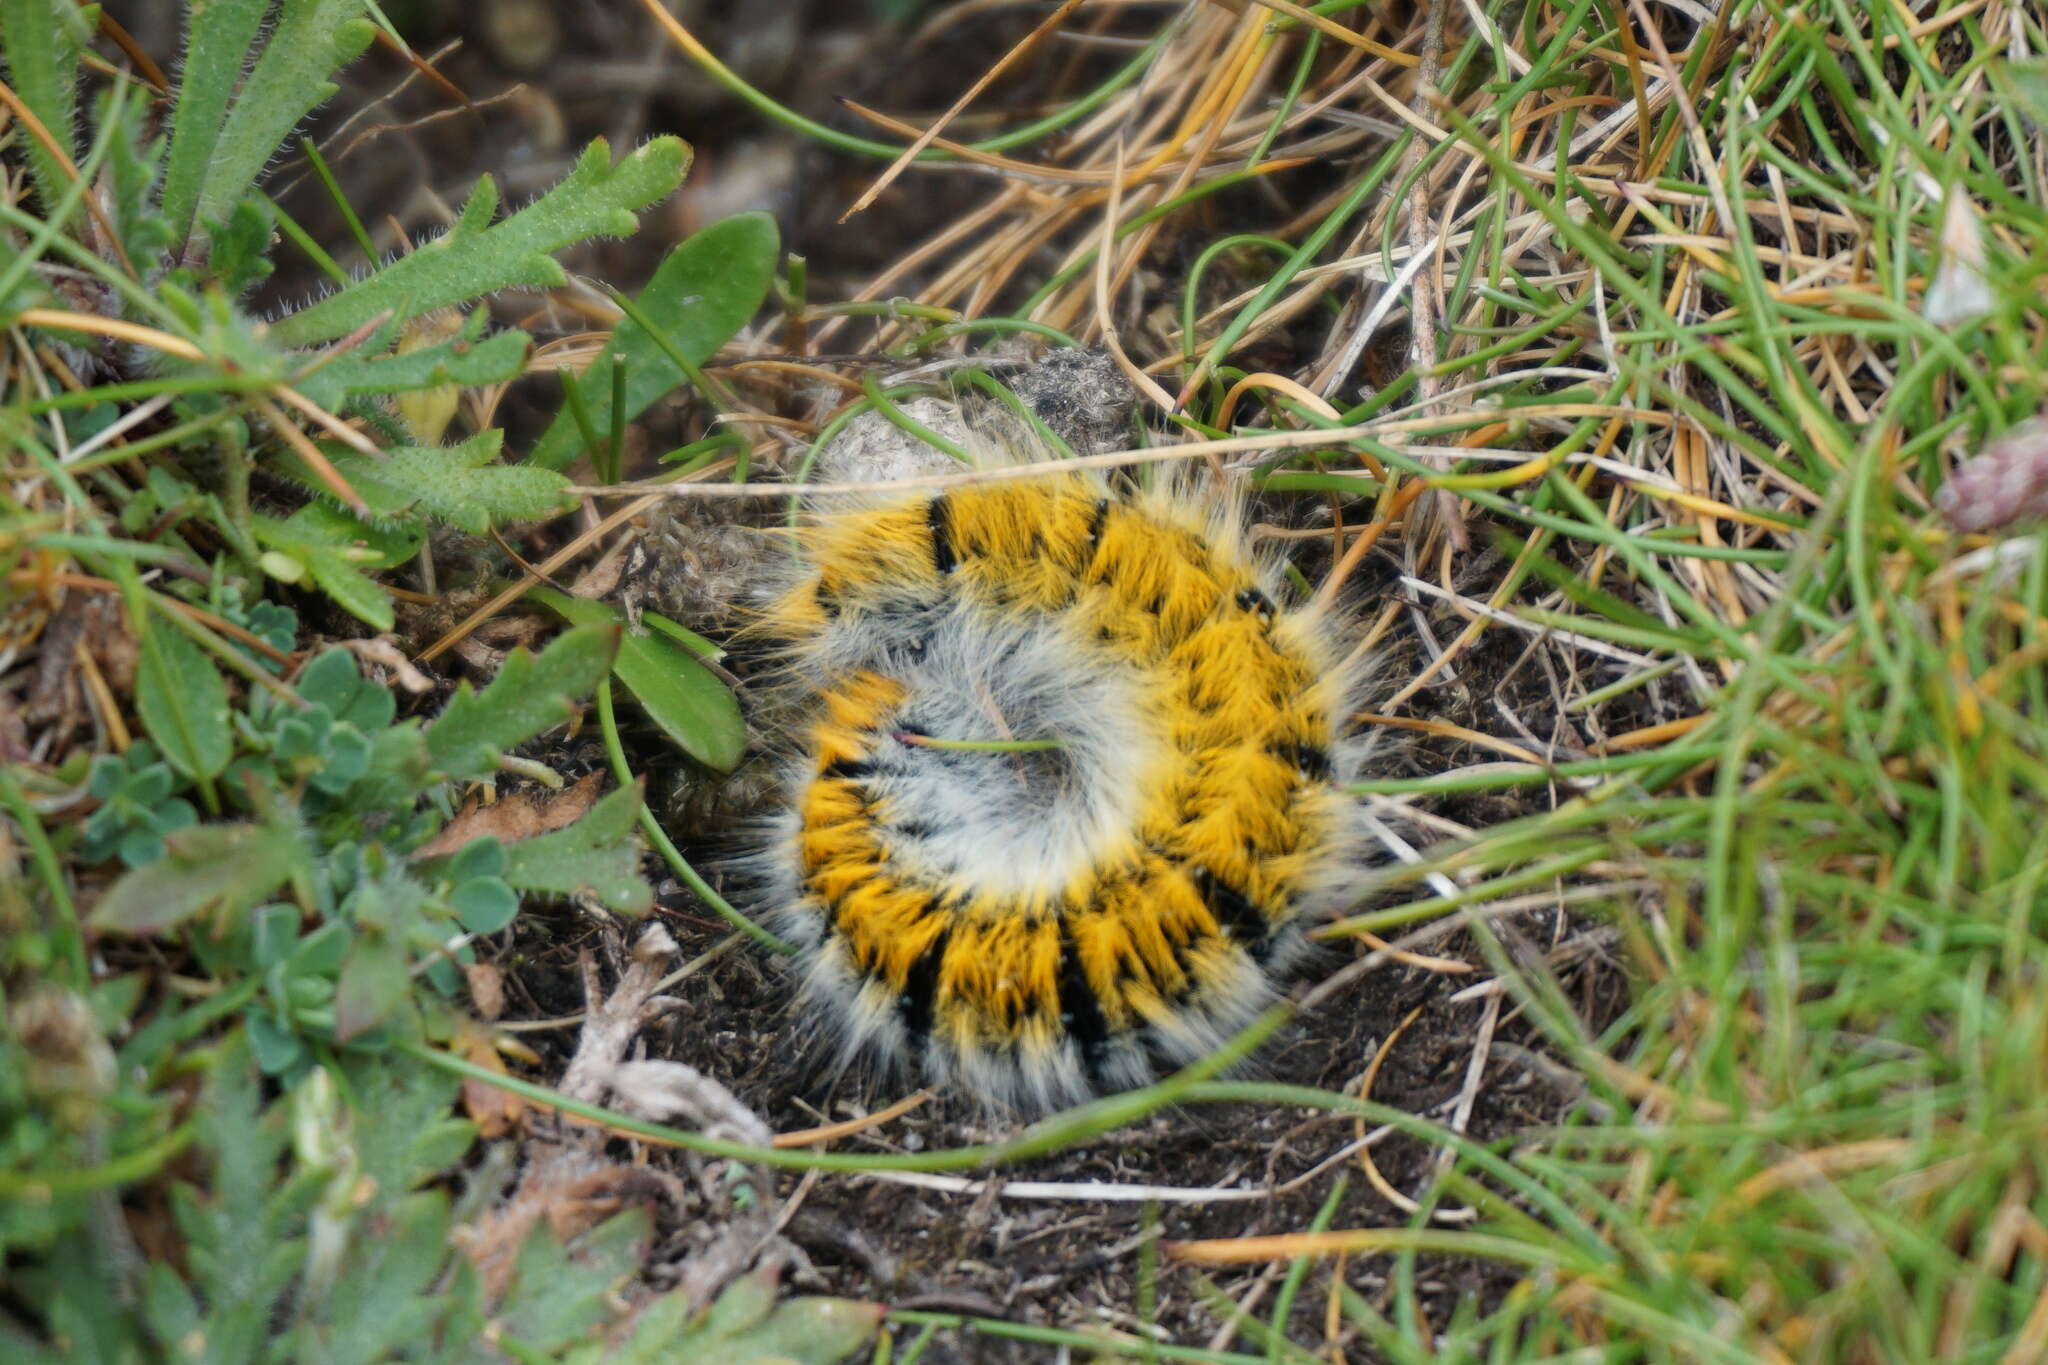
{"x":705,"y":291}
{"x":671,"y":684}
{"x":351,"y":590}
{"x":558,"y":1299}
{"x":43,"y":40}
{"x":223,"y":867}
{"x":367,"y":544}
{"x":459,"y":484}
{"x":218,"y":35}
{"x":385,"y":1302}
{"x":240,"y":1243}
{"x":132,"y":161}
{"x":469,"y":363}
{"x":597,"y":856}
{"x":334,"y":548}
{"x":804,"y":1331}
{"x":746,"y":1327}
{"x":477,"y":257}
{"x":312,"y":40}
{"x":531,"y":693}
{"x":241,"y":246}
{"x":182,"y":701}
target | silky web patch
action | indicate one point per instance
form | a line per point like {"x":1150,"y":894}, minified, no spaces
{"x":1043,"y":922}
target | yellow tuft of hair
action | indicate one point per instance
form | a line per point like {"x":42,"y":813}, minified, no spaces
{"x":1044,"y":925}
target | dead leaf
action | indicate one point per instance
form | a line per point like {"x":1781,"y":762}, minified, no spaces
{"x":486,"y":989}
{"x":384,"y":653}
{"x":493,"y":1109}
{"x":54,"y":691}
{"x":485,"y":648}
{"x":602,"y":577}
{"x":521,"y":815}
{"x":116,"y":648}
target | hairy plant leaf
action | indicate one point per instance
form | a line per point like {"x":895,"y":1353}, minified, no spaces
{"x":43,"y":40}
{"x":333,"y":548}
{"x":375,"y":981}
{"x":230,"y":867}
{"x":672,"y":685}
{"x":218,"y":34}
{"x":182,"y":701}
{"x":557,"y":1298}
{"x":242,"y":1239}
{"x":532,"y":693}
{"x":241,"y":246}
{"x":477,"y":257}
{"x":806,"y":1331}
{"x":132,"y":162}
{"x":744,"y":1327}
{"x":705,"y":291}
{"x":310,"y":42}
{"x":460,"y":484}
{"x":467,"y":362}
{"x":597,"y":856}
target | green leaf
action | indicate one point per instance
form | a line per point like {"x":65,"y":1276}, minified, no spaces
{"x":43,"y":40}
{"x":684,"y":636}
{"x":531,"y":693}
{"x":335,"y":681}
{"x":229,"y":867}
{"x":312,"y":40}
{"x":241,"y":246}
{"x":276,"y":1048}
{"x":597,"y":856}
{"x":745,"y":1304}
{"x":671,"y":684}
{"x":218,"y":35}
{"x":557,"y":1299}
{"x":467,"y":362}
{"x":704,"y":292}
{"x":746,"y":1327}
{"x":133,"y":157}
{"x":484,"y":905}
{"x":375,"y":981}
{"x":182,"y":701}
{"x":2026,"y":83}
{"x":353,"y":591}
{"x":333,"y":548}
{"x":477,"y":257}
{"x":369,"y":545}
{"x":459,"y":484}
{"x":806,"y":1331}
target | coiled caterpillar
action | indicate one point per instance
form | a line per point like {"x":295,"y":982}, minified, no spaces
{"x":1047,"y":923}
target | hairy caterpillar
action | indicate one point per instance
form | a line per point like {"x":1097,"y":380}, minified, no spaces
{"x":1046,"y":923}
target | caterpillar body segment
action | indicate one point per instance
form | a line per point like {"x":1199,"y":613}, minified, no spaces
{"x":1042,"y":925}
